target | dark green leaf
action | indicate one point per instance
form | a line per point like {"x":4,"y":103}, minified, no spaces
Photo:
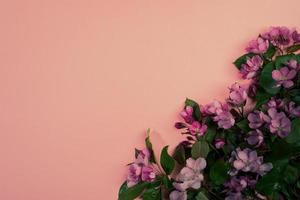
{"x":270,"y":52}
{"x":241,"y":60}
{"x":195,"y":106}
{"x":201,"y":196}
{"x":218,"y":172}
{"x":262,"y":97}
{"x":293,"y":48}
{"x":133,"y":192}
{"x":200,"y":149}
{"x":266,"y":81}
{"x":166,"y":181}
{"x":243,"y":125}
{"x":290,"y":174}
{"x":149,"y":147}
{"x":166,"y":161}
{"x":179,"y":154}
{"x":152,"y":194}
{"x":210,"y":133}
{"x":123,"y":188}
{"x":296,"y":99}
{"x":282,"y":60}
{"x":294,"y":136}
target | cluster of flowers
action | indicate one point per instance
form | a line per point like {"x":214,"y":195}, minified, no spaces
{"x":231,"y":147}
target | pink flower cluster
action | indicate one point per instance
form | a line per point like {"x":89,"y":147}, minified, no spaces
{"x":140,"y":170}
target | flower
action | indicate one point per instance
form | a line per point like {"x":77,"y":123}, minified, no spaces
{"x":219,"y":143}
{"x":284,"y":77}
{"x":257,"y":119}
{"x":237,"y":95}
{"x":292,"y":63}
{"x":296,"y":36}
{"x":236,"y":185}
{"x":148,"y":174}
{"x":178,"y":195}
{"x":259,"y":45}
{"x":248,"y":161}
{"x":197,"y":128}
{"x":275,"y":103}
{"x":279,"y":124}
{"x":190,"y":176}
{"x":279,"y":36}
{"x":143,"y":157}
{"x":256,"y":137}
{"x":292,"y":110}
{"x":220,"y":113}
{"x":225,"y":120}
{"x":187,"y":114}
{"x":134,"y":174}
{"x":250,"y":69}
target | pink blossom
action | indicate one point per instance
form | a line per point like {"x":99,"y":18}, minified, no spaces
{"x":237,"y":95}
{"x":134,"y":174}
{"x":292,"y":109}
{"x":250,"y":69}
{"x":284,"y":77}
{"x":191,"y":175}
{"x":296,"y":36}
{"x":213,"y":108}
{"x":279,"y":36}
{"x":259,"y":45}
{"x":187,"y":114}
{"x":280,"y":124}
{"x":148,"y":174}
{"x":257,"y":119}
{"x":178,"y":195}
{"x":248,"y":161}
{"x":255,"y":137}
{"x":219,"y":143}
{"x":143,"y":157}
{"x":197,"y":128}
{"x":292,"y":63}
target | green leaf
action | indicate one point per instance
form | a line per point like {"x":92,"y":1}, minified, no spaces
{"x":266,"y":81}
{"x":166,"y":161}
{"x":123,"y":188}
{"x":201,"y":196}
{"x":241,"y":60}
{"x":195,"y":106}
{"x":149,"y":146}
{"x":262,"y":97}
{"x":282,"y":60}
{"x":296,"y":99}
{"x":200,"y":149}
{"x":133,"y":192}
{"x":270,"y":52}
{"x":166,"y":182}
{"x":294,"y":136}
{"x":218,"y":172}
{"x":152,"y":194}
{"x":179,"y":154}
{"x":243,"y":125}
{"x":291,"y":174}
{"x":293,"y":48}
{"x":210,"y":133}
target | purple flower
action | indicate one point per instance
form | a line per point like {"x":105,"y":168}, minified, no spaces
{"x":260,"y":45}
{"x":236,"y":185}
{"x":292,"y":110}
{"x":284,"y":77}
{"x":148,"y":174}
{"x":252,"y":89}
{"x":248,"y":161}
{"x":197,"y":128}
{"x":178,"y":195}
{"x":292,"y":63}
{"x":190,"y":176}
{"x":256,"y":138}
{"x":220,"y":113}
{"x":257,"y":119}
{"x":280,"y":124}
{"x":180,"y":125}
{"x":187,"y":114}
{"x":143,"y":157}
{"x":219,"y":143}
{"x":279,"y":36}
{"x":250,"y":69}
{"x":224,"y":119}
{"x":237,"y":95}
{"x":134,"y":174}
{"x":275,"y":103}
{"x":296,"y":36}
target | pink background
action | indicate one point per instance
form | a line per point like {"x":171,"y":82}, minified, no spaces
{"x":81,"y":81}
